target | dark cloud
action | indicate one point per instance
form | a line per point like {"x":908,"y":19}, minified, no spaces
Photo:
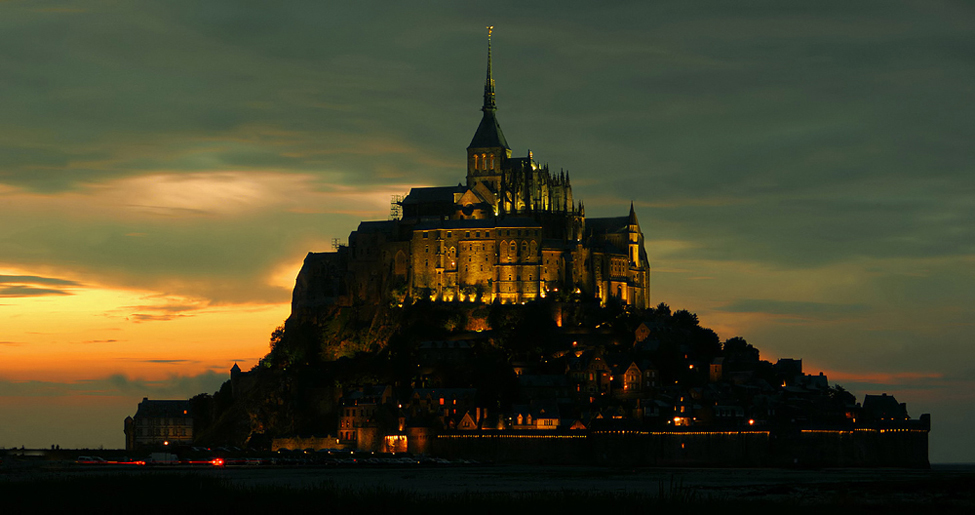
{"x":166,"y":308}
{"x":33,"y":279}
{"x":142,"y":317}
{"x":30,"y":291}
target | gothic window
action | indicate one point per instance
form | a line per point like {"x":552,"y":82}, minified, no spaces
{"x":475,"y":161}
{"x":483,"y":161}
{"x":492,"y":162}
{"x":513,"y":250}
{"x":504,"y":248}
{"x":453,"y":252}
{"x":534,"y":248}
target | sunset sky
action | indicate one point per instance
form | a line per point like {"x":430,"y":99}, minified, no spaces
{"x":802,"y":171}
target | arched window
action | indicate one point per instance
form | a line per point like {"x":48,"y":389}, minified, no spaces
{"x":504,"y":248}
{"x":513,"y":250}
{"x":492,"y":162}
{"x":534,"y":248}
{"x":483,"y":161}
{"x":475,"y":161}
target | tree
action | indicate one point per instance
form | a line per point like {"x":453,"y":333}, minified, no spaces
{"x":738,"y":349}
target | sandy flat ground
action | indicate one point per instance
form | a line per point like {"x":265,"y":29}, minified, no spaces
{"x":954,"y":484}
{"x":947,"y":485}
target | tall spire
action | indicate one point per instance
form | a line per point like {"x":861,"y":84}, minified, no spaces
{"x":489,"y":133}
{"x":489,"y":104}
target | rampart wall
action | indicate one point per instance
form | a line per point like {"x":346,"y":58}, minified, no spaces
{"x":802,"y":448}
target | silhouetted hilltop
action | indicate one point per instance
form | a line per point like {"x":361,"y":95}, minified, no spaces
{"x":314,"y":357}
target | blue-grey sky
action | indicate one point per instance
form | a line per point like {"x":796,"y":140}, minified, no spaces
{"x":802,"y":171}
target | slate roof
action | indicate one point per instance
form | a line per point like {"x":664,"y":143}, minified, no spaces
{"x":163,"y":409}
{"x":478,"y":224}
{"x":488,"y":133}
{"x":608,"y":225}
{"x":433,"y":194}
{"x":387,"y":226}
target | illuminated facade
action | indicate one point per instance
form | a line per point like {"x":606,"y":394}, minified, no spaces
{"x":513,"y":233}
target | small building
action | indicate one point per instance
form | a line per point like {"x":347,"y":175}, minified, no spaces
{"x":159,"y":424}
{"x":883,"y":408}
{"x":359,"y":408}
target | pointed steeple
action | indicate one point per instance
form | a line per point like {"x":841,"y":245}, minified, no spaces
{"x":489,"y":103}
{"x":489,"y":133}
{"x":633,"y":215}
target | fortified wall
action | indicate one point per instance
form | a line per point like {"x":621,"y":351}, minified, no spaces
{"x":865,"y":447}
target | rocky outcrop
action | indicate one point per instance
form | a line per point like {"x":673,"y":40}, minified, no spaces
{"x":320,"y":284}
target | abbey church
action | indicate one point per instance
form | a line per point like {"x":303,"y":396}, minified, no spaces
{"x":512,"y":233}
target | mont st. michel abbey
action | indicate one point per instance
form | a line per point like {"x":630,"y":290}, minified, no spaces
{"x":513,"y":233}
{"x":493,"y":321}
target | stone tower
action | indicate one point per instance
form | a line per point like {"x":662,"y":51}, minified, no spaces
{"x":488,"y":152}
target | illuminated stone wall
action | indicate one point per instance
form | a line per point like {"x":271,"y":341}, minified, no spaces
{"x":297,"y":443}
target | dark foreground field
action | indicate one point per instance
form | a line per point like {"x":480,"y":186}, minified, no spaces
{"x":493,"y":490}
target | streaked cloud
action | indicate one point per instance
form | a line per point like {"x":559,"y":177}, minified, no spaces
{"x":29,"y":291}
{"x":33,"y":279}
{"x":174,"y":386}
{"x":794,"y":308}
{"x":33,"y":286}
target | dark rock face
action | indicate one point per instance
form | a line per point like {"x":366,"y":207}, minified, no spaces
{"x":320,"y":283}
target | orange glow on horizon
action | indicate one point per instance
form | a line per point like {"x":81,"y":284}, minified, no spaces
{"x":94,"y":332}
